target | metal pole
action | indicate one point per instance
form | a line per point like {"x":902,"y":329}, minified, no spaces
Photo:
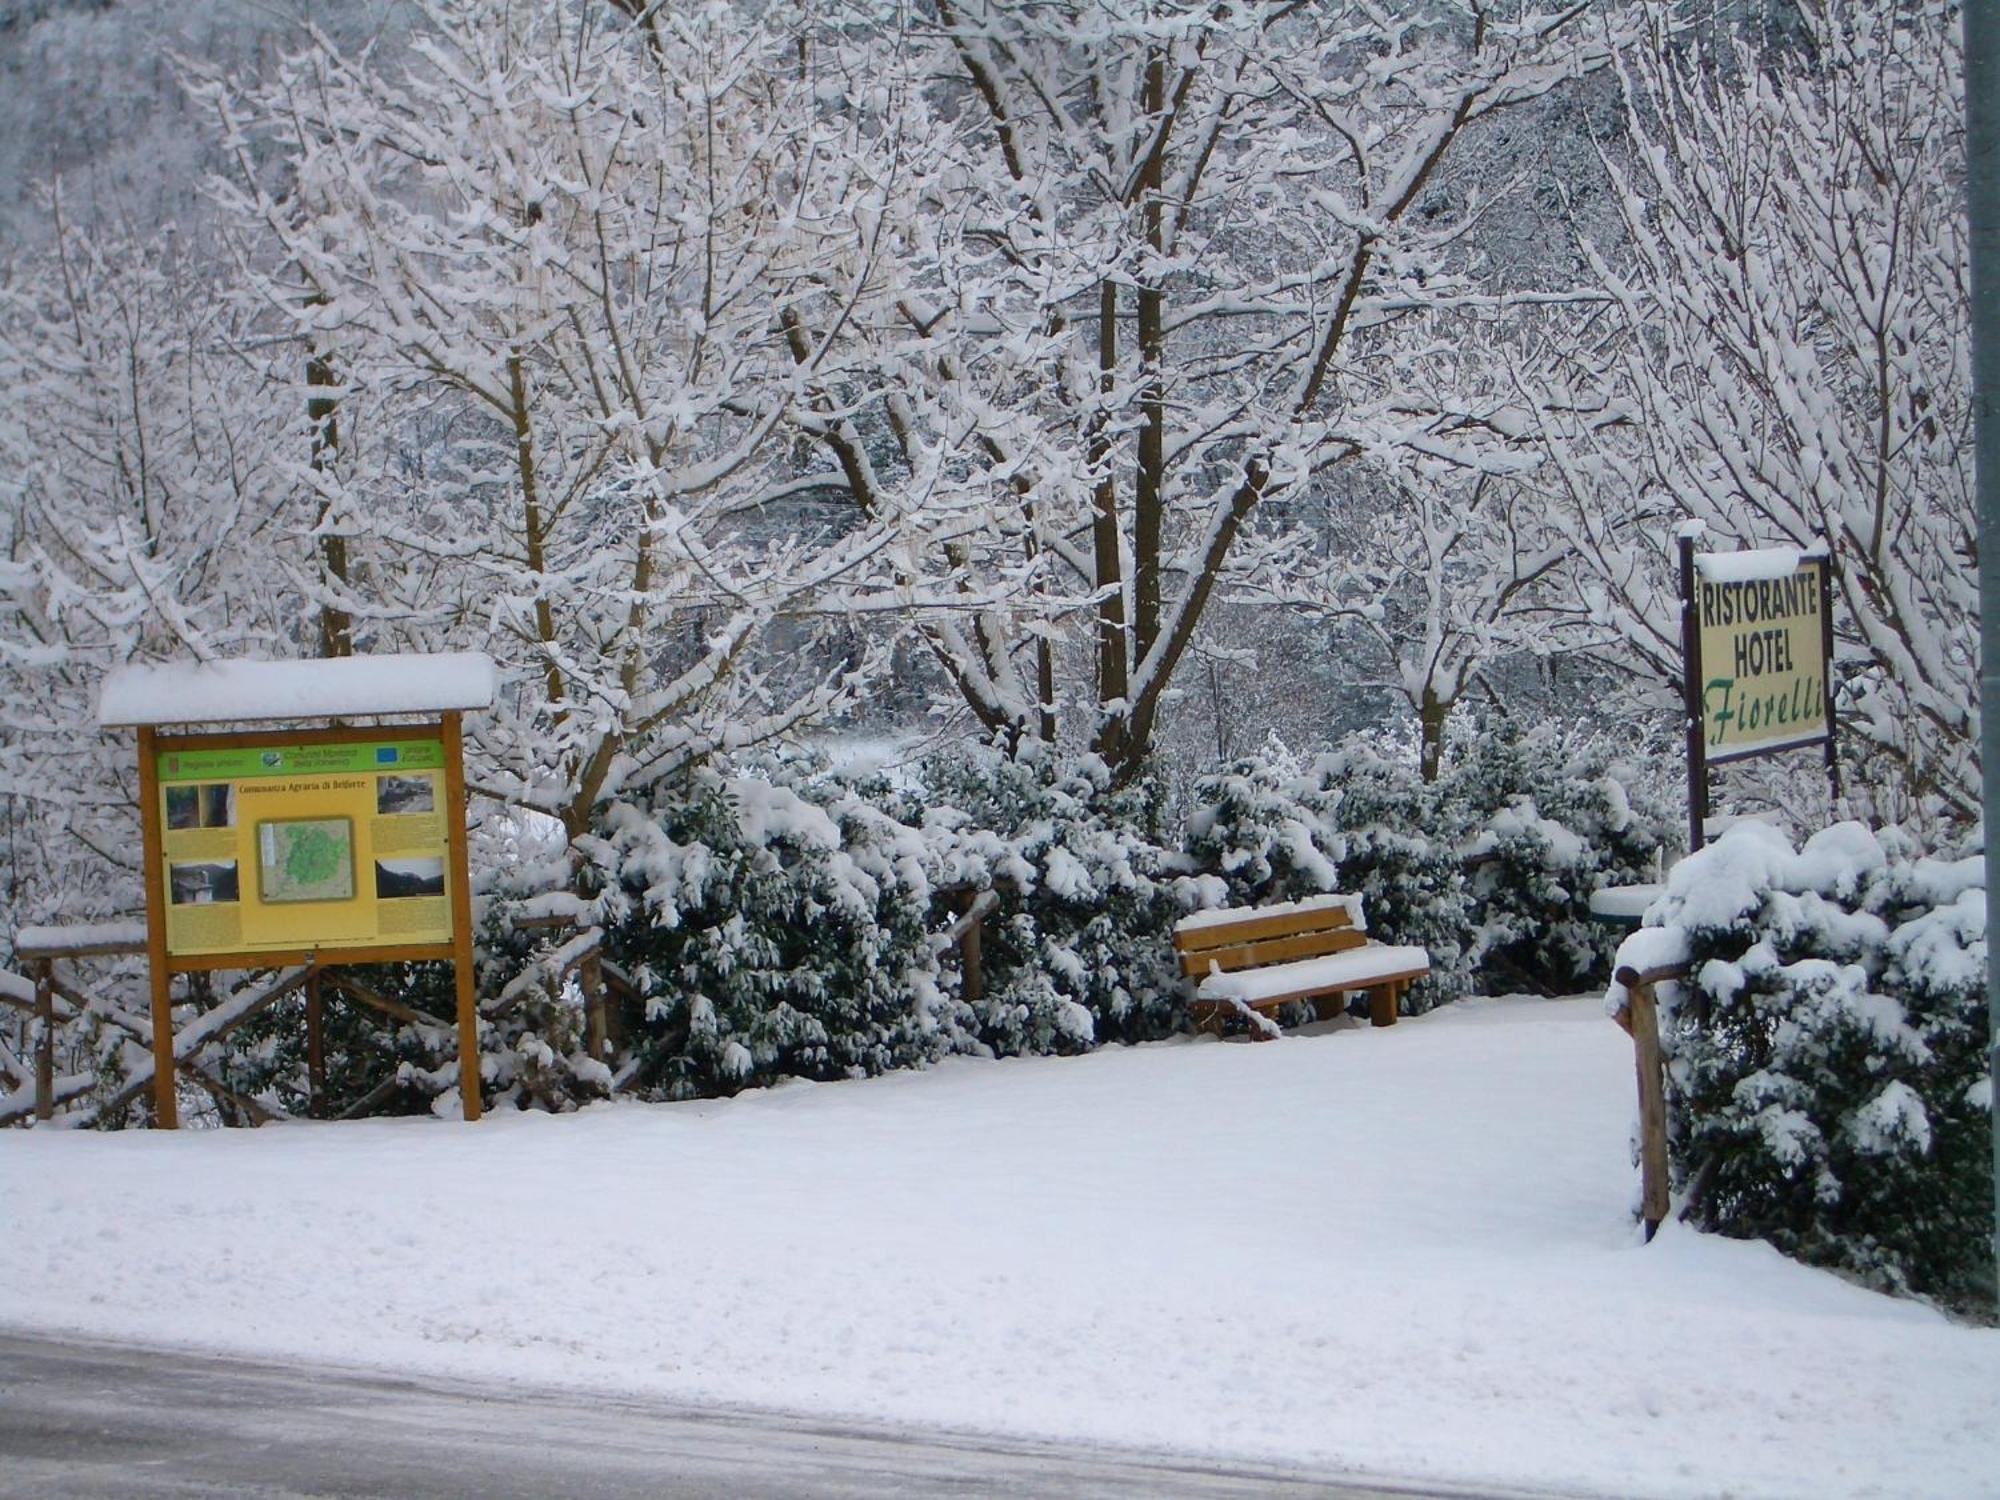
{"x":1982,"y":193}
{"x":1697,"y":745}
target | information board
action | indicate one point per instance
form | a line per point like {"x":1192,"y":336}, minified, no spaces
{"x":307,"y":846}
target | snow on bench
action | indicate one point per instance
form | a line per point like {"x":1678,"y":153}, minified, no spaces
{"x":1357,"y":969}
{"x":1229,"y":916}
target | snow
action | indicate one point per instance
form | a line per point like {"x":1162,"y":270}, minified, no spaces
{"x":1393,"y":1253}
{"x":314,"y":688}
{"x":1652,"y":948}
{"x":1227,"y":914}
{"x":72,"y":936}
{"x":1623,"y":902}
{"x":1337,"y":971}
{"x":1748,"y":565}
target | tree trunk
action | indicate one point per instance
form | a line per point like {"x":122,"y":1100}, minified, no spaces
{"x":336,"y":626}
{"x":1431,"y":714}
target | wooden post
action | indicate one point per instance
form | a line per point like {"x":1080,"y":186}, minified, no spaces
{"x":45,"y":1039}
{"x":972,"y":905}
{"x":1382,"y":1005}
{"x":315,"y":1048}
{"x":1645,"y":1021}
{"x":461,"y":915}
{"x":971,"y":966}
{"x":166,"y":1111}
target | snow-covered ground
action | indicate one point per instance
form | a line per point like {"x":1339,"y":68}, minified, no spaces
{"x":1402,"y":1253}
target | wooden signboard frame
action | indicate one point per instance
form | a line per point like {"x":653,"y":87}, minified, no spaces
{"x":1695,"y":685}
{"x":317,"y":953}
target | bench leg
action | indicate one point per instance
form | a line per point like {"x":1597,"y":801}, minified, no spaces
{"x":1382,"y":1005}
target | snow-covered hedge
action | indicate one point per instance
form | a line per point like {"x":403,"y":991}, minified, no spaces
{"x":1827,"y":1080}
{"x":779,"y":920}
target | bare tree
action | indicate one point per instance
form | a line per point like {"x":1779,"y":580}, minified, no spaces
{"x":1162,"y":269}
{"x":1786,"y":359}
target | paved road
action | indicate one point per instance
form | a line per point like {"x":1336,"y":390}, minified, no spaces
{"x":94,"y":1420}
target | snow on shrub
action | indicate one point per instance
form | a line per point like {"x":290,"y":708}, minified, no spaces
{"x":1827,"y":1079}
{"x":1549,"y":817}
{"x":772,"y":931}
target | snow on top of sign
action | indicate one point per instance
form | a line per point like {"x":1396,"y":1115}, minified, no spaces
{"x":228,"y":691}
{"x":1748,"y":566}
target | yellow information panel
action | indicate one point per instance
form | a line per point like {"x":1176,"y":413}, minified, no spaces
{"x":316,"y":846}
{"x":1763,"y":663}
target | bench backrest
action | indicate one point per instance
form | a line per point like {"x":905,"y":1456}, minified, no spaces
{"x":1257,"y":939}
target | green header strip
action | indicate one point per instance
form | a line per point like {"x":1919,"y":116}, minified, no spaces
{"x":380,"y":757}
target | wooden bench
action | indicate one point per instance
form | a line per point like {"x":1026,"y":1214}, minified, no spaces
{"x":1247,"y":960}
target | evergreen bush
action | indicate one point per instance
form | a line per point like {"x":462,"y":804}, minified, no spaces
{"x":1080,"y":950}
{"x":772,"y":931}
{"x":1547,"y":817}
{"x":1827,"y":1079}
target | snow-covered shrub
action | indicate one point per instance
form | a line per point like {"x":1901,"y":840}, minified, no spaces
{"x":1267,"y":828}
{"x":772,"y":931}
{"x":1080,"y":950}
{"x":1549,"y":817}
{"x":1827,"y":1077}
{"x":1399,"y":851}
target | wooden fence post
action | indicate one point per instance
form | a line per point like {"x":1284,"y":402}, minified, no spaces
{"x":590,"y":975}
{"x":315,"y":1048}
{"x":973,"y":906}
{"x":1652,"y":1105}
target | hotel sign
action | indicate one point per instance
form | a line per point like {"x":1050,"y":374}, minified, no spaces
{"x":1761,"y":661}
{"x":1757,"y":649}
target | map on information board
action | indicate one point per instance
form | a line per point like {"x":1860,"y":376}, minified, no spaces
{"x":311,"y":859}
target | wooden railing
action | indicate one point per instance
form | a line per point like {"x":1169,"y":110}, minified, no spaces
{"x":53,"y":996}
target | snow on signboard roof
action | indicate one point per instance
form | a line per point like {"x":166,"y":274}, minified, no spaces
{"x":314,"y":688}
{"x":1753,"y":563}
